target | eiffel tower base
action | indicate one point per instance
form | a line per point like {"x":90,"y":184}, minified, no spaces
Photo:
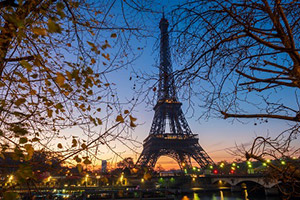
{"x":179,"y":147}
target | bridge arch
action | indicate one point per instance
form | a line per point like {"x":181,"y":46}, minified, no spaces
{"x":222,"y":181}
{"x":235,"y":180}
{"x":166,"y":162}
{"x":250,"y":182}
{"x":171,"y":161}
{"x":250,"y":185}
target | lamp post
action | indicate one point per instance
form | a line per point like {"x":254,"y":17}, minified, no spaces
{"x":98,"y":180}
{"x":86,"y":179}
{"x":122,"y":178}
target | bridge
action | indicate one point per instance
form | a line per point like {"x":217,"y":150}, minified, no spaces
{"x":171,"y":182}
{"x":236,"y":181}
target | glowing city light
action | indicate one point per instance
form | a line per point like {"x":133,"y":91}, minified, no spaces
{"x":11,"y":177}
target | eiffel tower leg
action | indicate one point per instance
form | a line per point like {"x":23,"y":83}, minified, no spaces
{"x":185,"y":161}
{"x":201,"y":157}
{"x":153,"y":160}
{"x":144,"y":158}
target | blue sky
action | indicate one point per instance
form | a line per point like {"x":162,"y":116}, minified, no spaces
{"x":215,"y":134}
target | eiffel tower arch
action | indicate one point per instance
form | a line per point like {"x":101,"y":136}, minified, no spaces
{"x":179,"y":142}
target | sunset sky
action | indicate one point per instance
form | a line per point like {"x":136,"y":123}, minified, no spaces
{"x":217,"y":136}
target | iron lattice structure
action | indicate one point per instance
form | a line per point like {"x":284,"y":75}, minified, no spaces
{"x":179,"y":143}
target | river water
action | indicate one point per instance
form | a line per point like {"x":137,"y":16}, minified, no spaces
{"x":224,"y":195}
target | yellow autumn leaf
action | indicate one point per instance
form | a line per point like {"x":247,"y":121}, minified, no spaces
{"x":93,"y":61}
{"x":53,"y":27}
{"x":32,"y":92}
{"x":60,"y":79}
{"x":91,"y":43}
{"x":90,"y":92}
{"x":74,"y":143}
{"x":23,"y":140}
{"x":39,"y":31}
{"x":48,"y":162}
{"x":26,"y":65}
{"x":59,"y":145}
{"x":132,"y":124}
{"x":83,"y":146}
{"x":106,"y":56}
{"x":113,"y":35}
{"x":69,"y":75}
{"x":77,"y":159}
{"x":29,"y":150}
{"x":87,"y":161}
{"x":99,"y":121}
{"x":133,"y":119}
{"x":20,"y":101}
{"x":49,"y":113}
{"x":120,"y":119}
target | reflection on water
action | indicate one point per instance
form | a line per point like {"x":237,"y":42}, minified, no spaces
{"x":196,"y":197}
{"x":246,"y":195}
{"x":185,"y":198}
{"x":223,"y":195}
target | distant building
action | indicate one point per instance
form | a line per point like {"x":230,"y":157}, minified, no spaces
{"x":170,"y":173}
{"x":8,"y":165}
{"x":104,"y":166}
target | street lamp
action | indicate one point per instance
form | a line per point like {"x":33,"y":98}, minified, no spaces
{"x":10,"y":179}
{"x":98,"y":181}
{"x":86,"y":179}
{"x":121,"y":178}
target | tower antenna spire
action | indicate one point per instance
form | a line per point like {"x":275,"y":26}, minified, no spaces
{"x":163,"y":11}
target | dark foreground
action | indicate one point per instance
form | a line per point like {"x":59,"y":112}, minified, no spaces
{"x":153,"y":194}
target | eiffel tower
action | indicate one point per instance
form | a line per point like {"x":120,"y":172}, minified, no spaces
{"x":179,"y":143}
